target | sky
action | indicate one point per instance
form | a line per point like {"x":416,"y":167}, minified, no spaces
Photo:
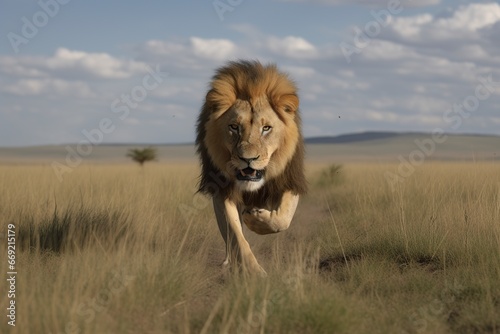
{"x":137,"y":71}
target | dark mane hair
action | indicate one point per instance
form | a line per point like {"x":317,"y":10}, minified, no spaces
{"x":245,"y":80}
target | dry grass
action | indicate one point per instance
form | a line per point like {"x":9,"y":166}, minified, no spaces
{"x":117,"y":249}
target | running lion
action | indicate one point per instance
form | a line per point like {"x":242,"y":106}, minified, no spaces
{"x":252,"y":154}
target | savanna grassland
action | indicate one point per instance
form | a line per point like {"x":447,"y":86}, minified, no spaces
{"x":120,"y":249}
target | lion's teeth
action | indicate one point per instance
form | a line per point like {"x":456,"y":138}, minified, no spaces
{"x":253,"y":173}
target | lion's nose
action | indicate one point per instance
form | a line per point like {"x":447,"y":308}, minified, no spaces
{"x":249,"y":160}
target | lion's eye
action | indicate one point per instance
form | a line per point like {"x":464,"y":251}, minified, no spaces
{"x":266,"y":128}
{"x":234,"y":127}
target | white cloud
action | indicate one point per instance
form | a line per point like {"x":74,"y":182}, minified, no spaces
{"x":33,"y":87}
{"x":471,"y":18}
{"x":193,"y":56}
{"x":370,"y":3}
{"x":15,"y":67}
{"x":463,"y":25}
{"x":100,"y":65}
{"x":292,"y":46}
{"x":387,"y":51}
{"x":68,"y":63}
{"x":426,"y":105}
{"x":215,"y":49}
{"x":384,"y":116}
{"x":164,"y":47}
{"x":409,"y":27}
{"x":176,"y":55}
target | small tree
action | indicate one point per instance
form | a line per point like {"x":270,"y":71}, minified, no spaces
{"x":142,"y":155}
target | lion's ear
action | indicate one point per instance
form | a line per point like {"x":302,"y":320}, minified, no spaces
{"x":218,"y":102}
{"x":289,"y":103}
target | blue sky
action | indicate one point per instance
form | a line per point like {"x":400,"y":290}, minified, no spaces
{"x":413,"y":71}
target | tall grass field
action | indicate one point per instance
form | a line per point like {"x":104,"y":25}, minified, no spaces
{"x":116,"y":248}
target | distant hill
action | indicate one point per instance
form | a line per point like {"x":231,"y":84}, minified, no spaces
{"x":374,"y":135}
{"x":366,"y":146}
{"x":392,"y":147}
{"x":351,"y":138}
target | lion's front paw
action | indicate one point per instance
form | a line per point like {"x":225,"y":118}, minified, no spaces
{"x":261,"y":215}
{"x":259,"y":221}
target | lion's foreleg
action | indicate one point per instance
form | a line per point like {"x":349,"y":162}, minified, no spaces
{"x":263,"y":221}
{"x":237,"y":247}
{"x":227,"y":233}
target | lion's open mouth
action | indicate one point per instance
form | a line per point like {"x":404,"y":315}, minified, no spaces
{"x":249,"y":174}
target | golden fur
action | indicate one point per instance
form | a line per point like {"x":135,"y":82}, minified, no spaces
{"x":250,"y":95}
{"x":251,"y":151}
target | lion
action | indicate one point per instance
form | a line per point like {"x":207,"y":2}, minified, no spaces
{"x":251,"y":151}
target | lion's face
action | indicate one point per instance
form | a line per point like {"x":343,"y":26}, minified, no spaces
{"x":252,"y":141}
{"x":249,"y":130}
